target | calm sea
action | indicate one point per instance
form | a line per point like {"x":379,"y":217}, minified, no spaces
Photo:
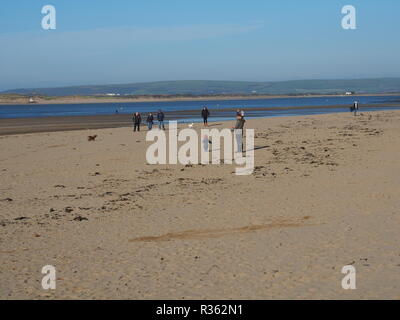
{"x":343,"y":103}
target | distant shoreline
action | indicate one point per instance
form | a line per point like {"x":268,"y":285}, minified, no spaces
{"x":8,"y":99}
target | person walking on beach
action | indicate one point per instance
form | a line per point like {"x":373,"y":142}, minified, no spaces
{"x":205,"y":114}
{"x":238,"y":129}
{"x":160,"y":118}
{"x":239,"y":120}
{"x":137,"y":119}
{"x":355,"y":107}
{"x":149,"y":121}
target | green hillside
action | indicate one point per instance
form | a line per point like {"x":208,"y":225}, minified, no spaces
{"x":205,"y":87}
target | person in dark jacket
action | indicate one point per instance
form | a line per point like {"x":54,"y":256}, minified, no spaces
{"x":160,"y":118}
{"x":238,"y":113}
{"x":137,"y":119}
{"x":240,"y":121}
{"x":150,"y":120}
{"x":205,"y":114}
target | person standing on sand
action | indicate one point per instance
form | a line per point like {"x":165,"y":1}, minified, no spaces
{"x":239,"y":126}
{"x":240,"y":120}
{"x":149,"y":121}
{"x":205,"y":114}
{"x":137,"y":119}
{"x":355,"y":107}
{"x":160,"y":118}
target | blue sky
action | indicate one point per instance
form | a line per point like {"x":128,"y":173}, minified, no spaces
{"x":121,"y":41}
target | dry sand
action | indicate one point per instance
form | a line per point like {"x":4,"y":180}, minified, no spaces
{"x":17,"y":99}
{"x":24,"y":99}
{"x":324,"y":194}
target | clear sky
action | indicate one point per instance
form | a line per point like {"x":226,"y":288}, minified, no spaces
{"x":125,"y":41}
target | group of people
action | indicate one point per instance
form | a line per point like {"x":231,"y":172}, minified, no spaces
{"x":137,"y":120}
{"x":205,"y":114}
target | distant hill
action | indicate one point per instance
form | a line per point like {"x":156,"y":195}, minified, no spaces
{"x":205,"y":87}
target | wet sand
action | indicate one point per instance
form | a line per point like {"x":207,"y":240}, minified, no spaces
{"x":324,"y":194}
{"x":19,"y":99}
{"x":53,"y":124}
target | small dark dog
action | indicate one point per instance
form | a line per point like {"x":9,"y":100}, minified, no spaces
{"x":92,"y":138}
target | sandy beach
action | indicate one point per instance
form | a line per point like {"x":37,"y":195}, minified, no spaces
{"x":24,"y":99}
{"x":324,"y":194}
{"x":18,"y":99}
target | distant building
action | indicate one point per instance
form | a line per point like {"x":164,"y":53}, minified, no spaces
{"x":31,"y":100}
{"x":349,"y":93}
